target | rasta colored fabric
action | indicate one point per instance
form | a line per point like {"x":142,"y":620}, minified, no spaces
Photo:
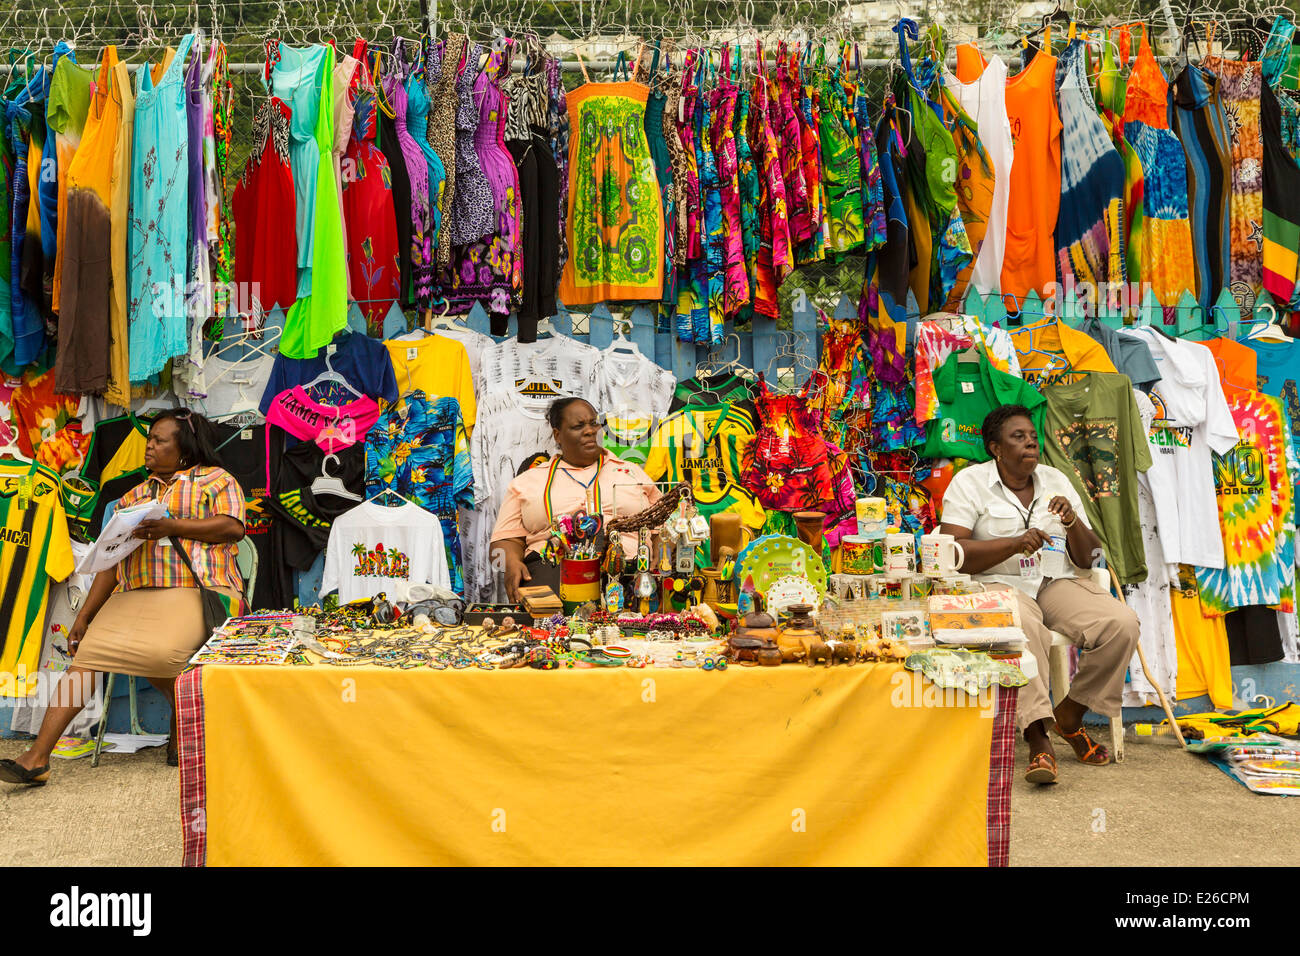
{"x":1089,"y":238}
{"x":1279,"y":122}
{"x":616,"y":229}
{"x":1240,"y":88}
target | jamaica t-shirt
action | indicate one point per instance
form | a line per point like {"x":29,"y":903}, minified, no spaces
{"x":34,"y":551}
{"x":115,"y":461}
{"x":1095,"y":437}
{"x":710,"y":390}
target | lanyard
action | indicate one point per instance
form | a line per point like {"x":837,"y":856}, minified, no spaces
{"x":550,"y":480}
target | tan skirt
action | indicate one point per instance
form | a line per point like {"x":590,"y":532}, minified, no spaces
{"x":148,"y":632}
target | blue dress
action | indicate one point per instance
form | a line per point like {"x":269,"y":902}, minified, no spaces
{"x":158,"y":225}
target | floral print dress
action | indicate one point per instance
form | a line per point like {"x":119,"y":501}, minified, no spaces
{"x":373,"y":261}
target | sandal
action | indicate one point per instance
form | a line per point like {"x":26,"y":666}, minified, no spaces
{"x":13,"y":772}
{"x":1091,"y":753}
{"x":1042,"y":769}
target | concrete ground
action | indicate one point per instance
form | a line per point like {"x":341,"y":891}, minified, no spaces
{"x":1161,"y":807}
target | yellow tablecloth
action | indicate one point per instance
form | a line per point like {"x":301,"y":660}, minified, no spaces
{"x":324,"y":766}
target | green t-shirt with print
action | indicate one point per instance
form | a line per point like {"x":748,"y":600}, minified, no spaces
{"x":967,"y":391}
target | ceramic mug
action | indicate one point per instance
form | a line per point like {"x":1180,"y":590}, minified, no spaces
{"x":900,"y":554}
{"x":941,"y":555}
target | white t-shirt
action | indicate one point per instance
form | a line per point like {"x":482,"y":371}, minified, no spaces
{"x":977,"y":499}
{"x":223,"y":387}
{"x":1192,"y":418}
{"x":511,"y":429}
{"x":561,"y":359}
{"x":374,"y":548}
{"x":985,"y":102}
{"x":633,"y":394}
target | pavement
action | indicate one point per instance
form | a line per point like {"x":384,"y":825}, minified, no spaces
{"x":1160,"y":807}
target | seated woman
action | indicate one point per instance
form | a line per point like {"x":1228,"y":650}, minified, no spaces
{"x":1003,"y":511}
{"x":584,"y":475}
{"x":145,"y":617}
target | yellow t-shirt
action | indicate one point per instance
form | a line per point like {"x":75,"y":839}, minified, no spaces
{"x":439,"y":366}
{"x":34,"y":550}
{"x":1204,"y":664}
{"x":1067,"y":351}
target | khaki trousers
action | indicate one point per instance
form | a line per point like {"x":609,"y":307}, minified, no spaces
{"x":1104,"y":630}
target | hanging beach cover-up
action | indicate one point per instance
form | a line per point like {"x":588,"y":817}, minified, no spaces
{"x":1240,"y":90}
{"x":1280,"y":131}
{"x":1090,"y":247}
{"x":1111,"y":94}
{"x":615,"y":231}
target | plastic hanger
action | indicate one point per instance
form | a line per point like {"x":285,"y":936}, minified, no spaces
{"x":329,"y":375}
{"x":1271,"y":332}
{"x":622,"y":345}
{"x":11,"y":451}
{"x":389,"y":491}
{"x":327,"y":484}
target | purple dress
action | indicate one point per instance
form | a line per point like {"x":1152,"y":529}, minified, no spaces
{"x":198,"y":292}
{"x":418,"y":171}
{"x":490,"y":270}
{"x":473,"y":213}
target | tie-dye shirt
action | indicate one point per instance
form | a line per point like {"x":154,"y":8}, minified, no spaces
{"x":1256,"y":512}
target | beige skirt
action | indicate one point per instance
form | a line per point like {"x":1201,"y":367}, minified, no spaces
{"x":147,"y":632}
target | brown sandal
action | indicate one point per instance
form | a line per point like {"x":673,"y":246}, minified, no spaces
{"x":1092,"y":753}
{"x":1042,"y":768}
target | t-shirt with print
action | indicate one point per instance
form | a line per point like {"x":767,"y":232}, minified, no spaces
{"x":512,"y":431}
{"x":567,"y":364}
{"x":1096,"y":439}
{"x":711,"y":390}
{"x":439,"y":367}
{"x":967,"y":391}
{"x":361,"y":360}
{"x":702,"y":444}
{"x":633,"y":395}
{"x":115,"y":462}
{"x":935,"y":341}
{"x":332,"y":427}
{"x":35,"y":550}
{"x":1192,"y":420}
{"x":1277,"y":373}
{"x":374,"y":549}
{"x":1053,"y":352}
{"x":1132,"y":356}
{"x":1253,"y":511}
{"x":242,"y":452}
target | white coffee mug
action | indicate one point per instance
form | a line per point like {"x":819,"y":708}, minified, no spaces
{"x":941,"y":554}
{"x":900,"y":554}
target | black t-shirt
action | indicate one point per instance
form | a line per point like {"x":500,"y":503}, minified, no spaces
{"x":242,"y":452}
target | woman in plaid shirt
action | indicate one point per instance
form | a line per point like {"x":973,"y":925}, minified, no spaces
{"x":144,"y":617}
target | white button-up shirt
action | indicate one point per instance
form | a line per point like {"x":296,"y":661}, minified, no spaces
{"x":977,"y":499}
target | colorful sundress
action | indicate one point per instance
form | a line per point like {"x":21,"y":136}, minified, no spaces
{"x":1240,"y":89}
{"x":615,"y":230}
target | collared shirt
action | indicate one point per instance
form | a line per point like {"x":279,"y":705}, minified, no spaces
{"x":1052,"y":352}
{"x":977,"y":499}
{"x":199,"y":492}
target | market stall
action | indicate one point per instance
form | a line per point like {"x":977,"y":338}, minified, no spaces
{"x":777,"y":766}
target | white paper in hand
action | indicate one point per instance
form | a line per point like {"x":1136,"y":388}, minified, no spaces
{"x":115,"y":542}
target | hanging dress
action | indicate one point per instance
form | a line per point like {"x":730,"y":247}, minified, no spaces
{"x":489,"y":270}
{"x":1111,"y":94}
{"x":814,"y":250}
{"x":692,"y":284}
{"x":41,"y":254}
{"x":873,"y":206}
{"x":159,"y":235}
{"x":1240,"y":90}
{"x":421,"y":215}
{"x":65,"y":118}
{"x":1168,"y":263}
{"x":473,"y":214}
{"x":560,"y":131}
{"x":984,"y":102}
{"x":774,"y":260}
{"x":722,"y":106}
{"x":266,"y":259}
{"x":23,"y":111}
{"x":118,"y":391}
{"x":304,"y":79}
{"x":82,"y":358}
{"x":1090,"y":246}
{"x":518,"y":90}
{"x":841,"y":169}
{"x":198,"y":275}
{"x":345,"y":75}
{"x":1202,"y":128}
{"x":441,"y":66}
{"x":785,"y":123}
{"x":417,"y":123}
{"x":1029,"y":261}
{"x":217,"y":135}
{"x":663,"y":160}
{"x":398,"y":172}
{"x":1280,"y":129}
{"x":370,"y":217}
{"x":976,"y":191}
{"x":747,"y":182}
{"x":615,"y":228}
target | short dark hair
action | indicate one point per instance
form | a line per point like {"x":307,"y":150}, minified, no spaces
{"x":194,"y":437}
{"x":555,"y":412}
{"x":994,"y":420}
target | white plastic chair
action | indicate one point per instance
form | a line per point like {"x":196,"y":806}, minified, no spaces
{"x":1059,"y":671}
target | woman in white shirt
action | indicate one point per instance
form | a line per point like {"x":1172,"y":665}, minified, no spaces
{"x":1008,"y":513}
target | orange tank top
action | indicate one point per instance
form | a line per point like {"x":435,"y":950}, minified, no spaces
{"x":1030,"y":258}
